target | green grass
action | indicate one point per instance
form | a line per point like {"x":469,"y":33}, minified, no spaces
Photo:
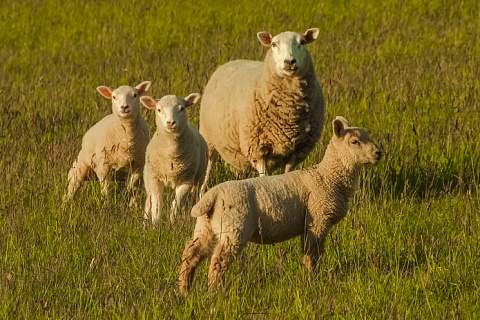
{"x":407,"y":71}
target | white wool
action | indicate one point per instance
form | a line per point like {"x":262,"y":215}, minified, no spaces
{"x":272,"y":209}
{"x":176,"y":156}
{"x":264,"y":115}
{"x":114,"y":148}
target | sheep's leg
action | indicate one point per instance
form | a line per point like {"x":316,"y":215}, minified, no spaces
{"x":313,"y":248}
{"x":261,"y":168}
{"x":195,"y":251}
{"x":290,"y":165}
{"x":77,"y":173}
{"x":179,"y":201}
{"x":224,"y":253}
{"x":102,"y":174}
{"x":133,"y":182}
{"x":212,"y":157}
{"x":153,"y":203}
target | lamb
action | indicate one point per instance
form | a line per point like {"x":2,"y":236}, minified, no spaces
{"x":115,"y":146}
{"x":270,"y":209}
{"x":264,"y":115}
{"x":176,"y":155}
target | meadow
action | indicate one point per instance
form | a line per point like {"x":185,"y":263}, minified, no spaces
{"x":408,"y":71}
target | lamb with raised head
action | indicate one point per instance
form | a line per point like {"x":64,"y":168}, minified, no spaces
{"x":114,"y":148}
{"x":264,"y":115}
{"x":176,"y":155}
{"x":271,"y":209}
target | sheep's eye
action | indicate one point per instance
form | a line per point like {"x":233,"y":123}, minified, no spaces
{"x":355,"y":142}
{"x":274,"y":44}
{"x":182,"y":108}
{"x":134,"y":95}
{"x":114,"y":98}
{"x":303,"y":42}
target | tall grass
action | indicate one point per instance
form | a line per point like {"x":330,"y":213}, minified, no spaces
{"x":406,"y":71}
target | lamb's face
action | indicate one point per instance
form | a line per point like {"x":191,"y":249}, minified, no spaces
{"x":125,"y":99}
{"x":125,"y":102}
{"x":288,"y":50}
{"x":354,"y":144}
{"x":171,"y":113}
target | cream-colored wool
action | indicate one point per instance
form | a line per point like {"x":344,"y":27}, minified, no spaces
{"x":272,"y":209}
{"x":114,"y":148}
{"x":264,"y":115}
{"x":176,"y":156}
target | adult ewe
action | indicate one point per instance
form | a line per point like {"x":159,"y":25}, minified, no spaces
{"x":271,"y":209}
{"x":176,"y":155}
{"x":266,"y":115}
{"x":115,"y":146}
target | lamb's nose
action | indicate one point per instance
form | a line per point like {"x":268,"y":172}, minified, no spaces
{"x":124,"y":107}
{"x":378,"y":154}
{"x":171,"y":123}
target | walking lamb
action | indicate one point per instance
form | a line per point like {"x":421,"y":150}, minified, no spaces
{"x":272,"y":209}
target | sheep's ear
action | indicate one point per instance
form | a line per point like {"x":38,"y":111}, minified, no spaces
{"x":265,"y":38}
{"x":148,"y":102}
{"x":191,"y":99}
{"x":143,"y":87}
{"x":338,"y":128}
{"x":345,"y":121}
{"x":311,"y":35}
{"x":105,"y":91}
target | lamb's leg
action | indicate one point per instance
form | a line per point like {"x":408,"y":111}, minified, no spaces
{"x":212,"y":157}
{"x":225,"y":251}
{"x":133,"y":182}
{"x":102,"y":174}
{"x":195,"y":251}
{"x":77,"y":173}
{"x":154,"y":202}
{"x":313,"y":248}
{"x":179,"y":201}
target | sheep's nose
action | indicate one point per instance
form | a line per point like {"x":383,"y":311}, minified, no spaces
{"x":289,"y":63}
{"x":171,"y":123}
{"x":378,"y":154}
{"x":124,"y":107}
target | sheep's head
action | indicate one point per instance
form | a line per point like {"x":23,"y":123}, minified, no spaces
{"x":288,"y":50}
{"x":125,"y":99}
{"x":171,"y":111}
{"x":353,"y":145}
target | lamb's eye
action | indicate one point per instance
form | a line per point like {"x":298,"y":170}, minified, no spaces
{"x":182,"y":108}
{"x":303,"y":42}
{"x":135,"y":95}
{"x":274,"y":44}
{"x":355,"y":141}
{"x":114,"y":98}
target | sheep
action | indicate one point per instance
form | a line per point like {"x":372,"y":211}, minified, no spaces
{"x":115,"y":146}
{"x":270,"y":209}
{"x":264,"y":115}
{"x":176,"y":155}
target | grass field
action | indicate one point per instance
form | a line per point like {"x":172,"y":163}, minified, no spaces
{"x":408,"y":71}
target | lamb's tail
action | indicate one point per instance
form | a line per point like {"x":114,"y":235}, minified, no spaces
{"x":205,"y":205}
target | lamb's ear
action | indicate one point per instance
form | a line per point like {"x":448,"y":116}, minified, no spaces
{"x":265,"y":38}
{"x":143,"y":87}
{"x":191,"y":99}
{"x":311,"y":35}
{"x":148,"y":102}
{"x":338,"y":127}
{"x":105,"y":91}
